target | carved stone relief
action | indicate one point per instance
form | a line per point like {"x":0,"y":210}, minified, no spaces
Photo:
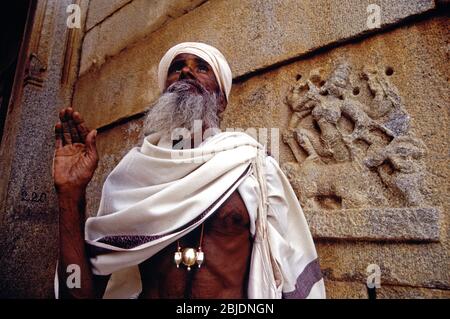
{"x":40,"y":42}
{"x":352,"y":152}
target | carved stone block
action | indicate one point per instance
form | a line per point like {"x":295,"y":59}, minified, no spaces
{"x":357,"y":157}
{"x":373,"y":224}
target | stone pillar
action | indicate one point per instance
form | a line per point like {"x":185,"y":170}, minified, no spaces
{"x":28,"y":215}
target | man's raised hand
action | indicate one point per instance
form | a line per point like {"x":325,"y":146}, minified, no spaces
{"x":76,"y":156}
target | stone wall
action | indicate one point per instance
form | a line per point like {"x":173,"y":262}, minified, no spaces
{"x":368,"y":158}
{"x":28,"y":207}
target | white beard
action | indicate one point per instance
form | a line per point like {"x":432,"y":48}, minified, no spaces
{"x":183,"y":103}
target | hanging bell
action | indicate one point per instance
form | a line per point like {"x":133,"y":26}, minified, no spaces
{"x":177,"y":258}
{"x":200,"y":257}
{"x":189,"y":257}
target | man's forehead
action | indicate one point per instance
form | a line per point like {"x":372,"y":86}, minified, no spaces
{"x":188,"y":56}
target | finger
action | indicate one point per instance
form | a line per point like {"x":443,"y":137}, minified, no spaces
{"x":83,"y":131}
{"x":91,"y":145}
{"x":68,"y":116}
{"x":74,"y":132}
{"x":58,"y":136}
{"x":72,"y":127}
{"x":69,"y":112}
{"x":77,"y":118}
{"x":64,"y":116}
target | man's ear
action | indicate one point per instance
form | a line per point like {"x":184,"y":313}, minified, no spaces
{"x":222,"y":103}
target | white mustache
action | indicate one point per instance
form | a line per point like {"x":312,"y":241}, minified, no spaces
{"x":179,"y":106}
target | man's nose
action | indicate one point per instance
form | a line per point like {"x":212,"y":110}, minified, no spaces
{"x":186,"y":73}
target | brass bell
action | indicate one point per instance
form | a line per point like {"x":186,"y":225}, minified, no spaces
{"x":189,"y":257}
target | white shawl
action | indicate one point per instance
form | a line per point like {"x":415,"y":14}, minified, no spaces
{"x":156,"y":195}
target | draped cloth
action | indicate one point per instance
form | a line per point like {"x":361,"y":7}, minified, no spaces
{"x":156,"y":195}
{"x":208,"y":53}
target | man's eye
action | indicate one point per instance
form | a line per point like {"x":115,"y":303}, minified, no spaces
{"x":202,"y":68}
{"x":176,"y":68}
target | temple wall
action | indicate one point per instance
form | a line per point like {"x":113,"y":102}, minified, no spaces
{"x":368,"y":159}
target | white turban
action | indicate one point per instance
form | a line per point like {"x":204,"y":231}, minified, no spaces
{"x":208,"y":53}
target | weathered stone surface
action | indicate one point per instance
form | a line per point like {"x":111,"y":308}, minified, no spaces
{"x":358,"y":290}
{"x":401,"y":292}
{"x":132,"y":22}
{"x":253,"y":35}
{"x":100,"y":9}
{"x":345,"y":290}
{"x":72,"y":57}
{"x":29,"y":214}
{"x":419,"y":265}
{"x":375,"y":224}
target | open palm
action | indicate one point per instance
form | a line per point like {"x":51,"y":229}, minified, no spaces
{"x":76,"y":157}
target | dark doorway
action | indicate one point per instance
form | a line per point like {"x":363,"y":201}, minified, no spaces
{"x":13,"y":18}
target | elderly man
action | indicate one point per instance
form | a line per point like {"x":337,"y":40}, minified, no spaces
{"x":215,"y":219}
